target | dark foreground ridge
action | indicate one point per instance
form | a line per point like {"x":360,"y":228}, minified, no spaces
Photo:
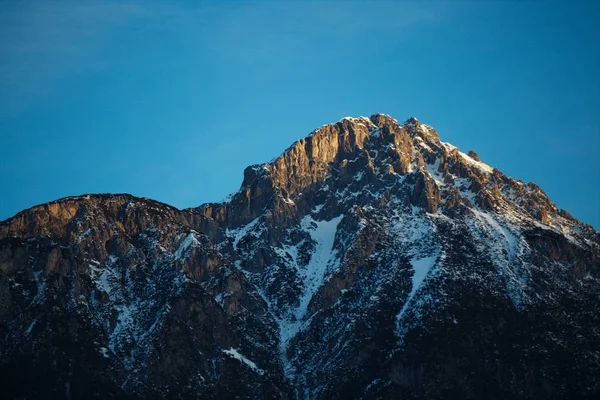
{"x":369,"y":260}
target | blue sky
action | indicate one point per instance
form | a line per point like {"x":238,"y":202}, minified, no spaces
{"x":172,"y":100}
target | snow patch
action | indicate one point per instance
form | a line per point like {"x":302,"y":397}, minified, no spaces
{"x":233,"y":353}
{"x":477,"y":164}
{"x":375,"y":132}
{"x":82,"y":236}
{"x":239,"y":233}
{"x":433,"y":170}
{"x":187,"y":243}
{"x":317,"y":208}
{"x":104,"y":281}
{"x":28,"y":331}
{"x":40,"y":283}
{"x":323,"y":258}
{"x":421,"y":267}
{"x":505,"y":249}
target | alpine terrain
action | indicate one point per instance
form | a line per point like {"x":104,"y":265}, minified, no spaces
{"x":370,"y":260}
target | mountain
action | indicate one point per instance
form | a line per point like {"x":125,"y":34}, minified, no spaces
{"x":369,"y":260}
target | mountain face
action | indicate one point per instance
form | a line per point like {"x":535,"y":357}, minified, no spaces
{"x":369,"y":260}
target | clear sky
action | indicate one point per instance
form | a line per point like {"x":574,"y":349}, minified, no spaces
{"x":172,"y":100}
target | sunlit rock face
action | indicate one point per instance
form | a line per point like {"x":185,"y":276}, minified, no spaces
{"x":369,"y":260}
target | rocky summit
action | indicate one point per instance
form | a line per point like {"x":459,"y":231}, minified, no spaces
{"x":370,"y":260}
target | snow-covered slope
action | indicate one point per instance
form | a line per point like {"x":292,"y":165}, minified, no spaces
{"x":369,"y":260}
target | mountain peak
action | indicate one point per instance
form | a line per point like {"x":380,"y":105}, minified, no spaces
{"x":367,"y":237}
{"x":367,"y":161}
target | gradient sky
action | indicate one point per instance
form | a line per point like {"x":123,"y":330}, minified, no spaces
{"x":172,"y":100}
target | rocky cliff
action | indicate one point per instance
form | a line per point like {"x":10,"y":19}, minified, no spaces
{"x":369,"y":260}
